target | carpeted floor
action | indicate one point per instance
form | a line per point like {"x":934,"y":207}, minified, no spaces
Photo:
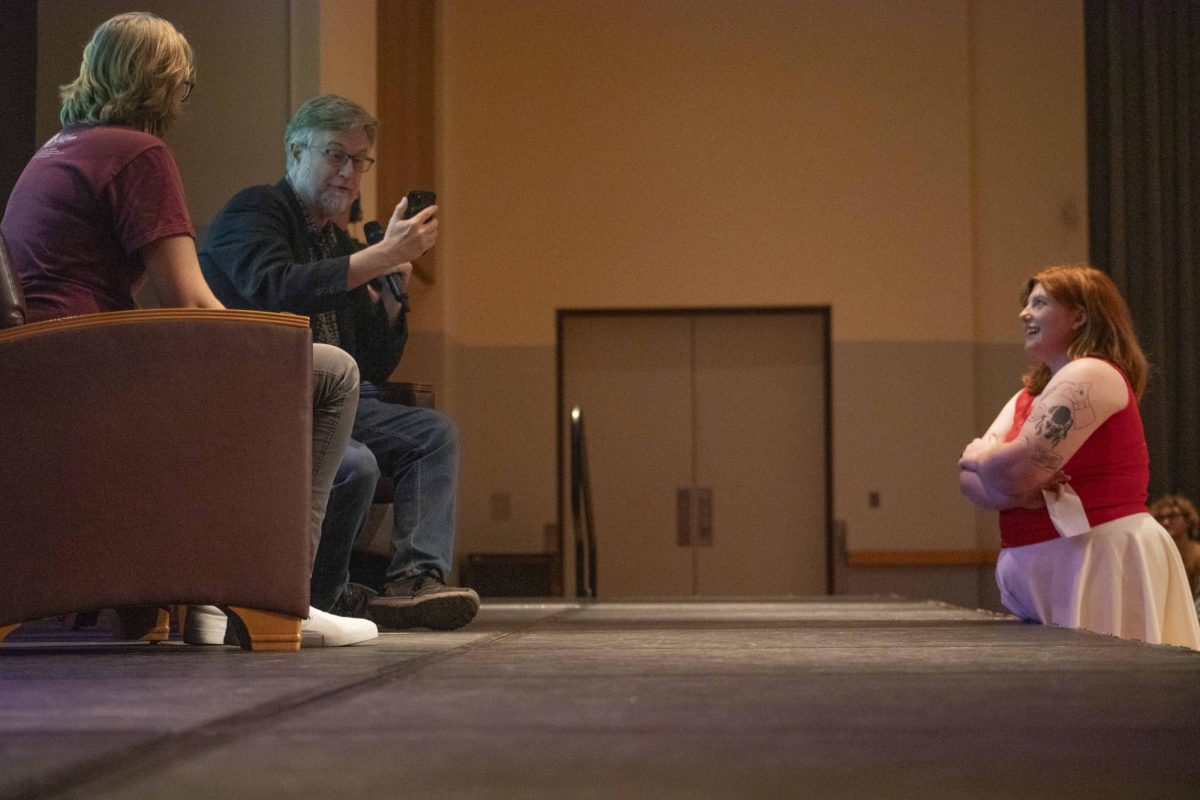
{"x":812,"y":698}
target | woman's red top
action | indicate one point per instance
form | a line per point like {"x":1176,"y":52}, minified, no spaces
{"x":1110,"y":473}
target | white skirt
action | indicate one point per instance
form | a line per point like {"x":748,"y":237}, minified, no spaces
{"x":1123,"y":578}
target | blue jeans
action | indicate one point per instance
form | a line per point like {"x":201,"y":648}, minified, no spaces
{"x":418,"y":449}
{"x":349,"y":499}
{"x":335,"y":397}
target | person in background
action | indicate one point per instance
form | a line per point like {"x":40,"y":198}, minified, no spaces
{"x":1178,"y":515}
{"x":1066,"y":464}
{"x":100,"y":208}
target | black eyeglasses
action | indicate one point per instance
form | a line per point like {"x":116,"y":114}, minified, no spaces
{"x":337,"y":158}
{"x":188,"y":91}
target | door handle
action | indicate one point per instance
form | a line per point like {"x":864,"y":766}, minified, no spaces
{"x":694,"y":517}
{"x":704,"y":517}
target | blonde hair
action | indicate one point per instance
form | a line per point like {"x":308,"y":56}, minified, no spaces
{"x":1107,"y":331}
{"x":1185,"y":506}
{"x":131,"y":73}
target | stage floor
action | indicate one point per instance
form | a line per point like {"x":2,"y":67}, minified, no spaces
{"x":813,"y":698}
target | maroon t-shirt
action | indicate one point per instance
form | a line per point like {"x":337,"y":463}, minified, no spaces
{"x":87,"y":202}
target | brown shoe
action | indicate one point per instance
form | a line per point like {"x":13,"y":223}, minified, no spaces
{"x":423,"y":601}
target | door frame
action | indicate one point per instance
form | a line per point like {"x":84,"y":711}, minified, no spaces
{"x":561,"y":316}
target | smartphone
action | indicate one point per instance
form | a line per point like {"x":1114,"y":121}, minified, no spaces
{"x":418,"y":200}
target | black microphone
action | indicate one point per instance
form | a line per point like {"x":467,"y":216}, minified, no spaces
{"x":374,"y":233}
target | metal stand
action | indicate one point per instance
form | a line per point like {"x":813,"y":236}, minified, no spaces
{"x":581,"y":510}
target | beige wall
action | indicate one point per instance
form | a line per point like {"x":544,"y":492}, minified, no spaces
{"x":701,"y":153}
{"x":904,"y":162}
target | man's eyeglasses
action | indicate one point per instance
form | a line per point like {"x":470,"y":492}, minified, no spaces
{"x":338,"y":158}
{"x":1168,"y":515}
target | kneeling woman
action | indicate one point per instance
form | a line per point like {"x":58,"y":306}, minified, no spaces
{"x":1066,"y":465}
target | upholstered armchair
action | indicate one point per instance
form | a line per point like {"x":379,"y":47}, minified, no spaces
{"x":151,"y":458}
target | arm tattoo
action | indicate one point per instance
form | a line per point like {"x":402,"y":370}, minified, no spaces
{"x":1068,"y":405}
{"x":1055,"y":424}
{"x":1048,"y":461}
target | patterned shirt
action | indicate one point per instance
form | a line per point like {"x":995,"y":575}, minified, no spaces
{"x":322,"y":245}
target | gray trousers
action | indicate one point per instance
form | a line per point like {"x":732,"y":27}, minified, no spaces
{"x":335,"y":401}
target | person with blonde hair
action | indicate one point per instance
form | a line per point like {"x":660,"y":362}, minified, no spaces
{"x":100,"y":208}
{"x":1066,"y":465}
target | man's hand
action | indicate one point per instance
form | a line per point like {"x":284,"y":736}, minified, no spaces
{"x":403,"y":273}
{"x":404,"y":240}
{"x":407,"y":239}
{"x":390,"y":303}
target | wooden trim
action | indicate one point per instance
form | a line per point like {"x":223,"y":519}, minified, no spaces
{"x":151,"y":315}
{"x":922,"y":558}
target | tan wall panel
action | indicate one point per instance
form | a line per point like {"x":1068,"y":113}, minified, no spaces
{"x":902,"y":161}
{"x":406,"y":47}
{"x":1030,"y":187}
{"x":647,"y":153}
{"x":507,"y":434}
{"x":902,"y":414}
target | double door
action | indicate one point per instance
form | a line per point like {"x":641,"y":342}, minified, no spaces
{"x":708,"y":449}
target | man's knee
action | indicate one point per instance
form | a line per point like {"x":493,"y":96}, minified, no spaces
{"x":358,"y":468}
{"x":444,"y":433}
{"x":335,"y":373}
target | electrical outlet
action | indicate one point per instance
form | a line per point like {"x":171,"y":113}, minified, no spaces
{"x":500,"y":507}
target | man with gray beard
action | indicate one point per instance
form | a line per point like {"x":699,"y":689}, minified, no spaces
{"x":278,"y":248}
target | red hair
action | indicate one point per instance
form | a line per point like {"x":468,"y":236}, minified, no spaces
{"x":1107,"y":331}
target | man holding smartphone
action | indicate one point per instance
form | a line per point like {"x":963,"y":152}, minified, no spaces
{"x":277,"y":248}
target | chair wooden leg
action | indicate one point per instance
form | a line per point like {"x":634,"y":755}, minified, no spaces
{"x":264,"y":631}
{"x":147,"y":623}
{"x":7,"y":629}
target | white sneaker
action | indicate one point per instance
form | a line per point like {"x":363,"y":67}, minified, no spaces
{"x":204,"y":625}
{"x":207,"y":625}
{"x":326,"y":630}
